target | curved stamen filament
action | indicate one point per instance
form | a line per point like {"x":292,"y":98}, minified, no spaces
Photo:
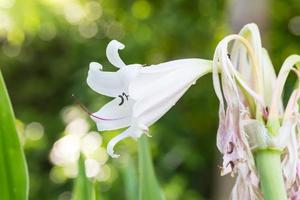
{"x":90,"y":113}
{"x":256,"y":94}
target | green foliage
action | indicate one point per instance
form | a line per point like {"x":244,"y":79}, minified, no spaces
{"x":46,"y":60}
{"x":149,"y":188}
{"x":13,"y":169}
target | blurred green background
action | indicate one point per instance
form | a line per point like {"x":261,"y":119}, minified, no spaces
{"x":47,"y":45}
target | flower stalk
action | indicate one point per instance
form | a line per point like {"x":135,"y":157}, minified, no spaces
{"x":269,"y":169}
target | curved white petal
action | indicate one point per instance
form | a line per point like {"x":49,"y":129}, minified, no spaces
{"x":147,"y":80}
{"x":115,"y":114}
{"x":113,"y":54}
{"x":127,"y":133}
{"x":106,"y":83}
{"x":280,"y":82}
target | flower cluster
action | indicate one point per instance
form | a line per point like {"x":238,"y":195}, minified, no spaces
{"x":251,"y":113}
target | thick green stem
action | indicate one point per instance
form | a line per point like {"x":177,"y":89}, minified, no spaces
{"x":270,"y":172}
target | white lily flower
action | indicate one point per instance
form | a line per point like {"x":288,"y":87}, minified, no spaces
{"x":141,"y":94}
{"x":251,"y":110}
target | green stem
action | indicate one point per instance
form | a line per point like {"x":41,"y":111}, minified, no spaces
{"x":96,"y":190}
{"x":149,"y":188}
{"x":268,"y":164}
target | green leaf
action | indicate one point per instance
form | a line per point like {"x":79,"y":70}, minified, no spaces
{"x":13,"y":169}
{"x":83,"y":187}
{"x":148,"y":185}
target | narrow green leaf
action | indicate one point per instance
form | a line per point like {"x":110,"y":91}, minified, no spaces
{"x":83,"y":187}
{"x":13,"y":168}
{"x":149,"y":188}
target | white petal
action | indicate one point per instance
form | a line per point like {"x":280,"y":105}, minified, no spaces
{"x":158,"y":97}
{"x":279,"y":85}
{"x":292,"y":105}
{"x":145,"y":82}
{"x":173,"y":65}
{"x":290,"y":156}
{"x":127,"y":133}
{"x":113,"y":115}
{"x":128,"y":73}
{"x":106,"y":83}
{"x":269,"y":77}
{"x":113,"y":54}
{"x":96,"y":66}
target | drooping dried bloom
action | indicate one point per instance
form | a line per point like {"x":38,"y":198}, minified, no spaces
{"x":251,"y":113}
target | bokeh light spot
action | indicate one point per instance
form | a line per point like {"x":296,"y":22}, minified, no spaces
{"x":66,"y":150}
{"x":77,"y":127}
{"x":57,"y":175}
{"x":90,"y":143}
{"x":11,"y":50}
{"x":74,"y":13}
{"x":7,"y":3}
{"x":141,"y":9}
{"x":93,"y":10}
{"x":47,"y":31}
{"x":294,"y":25}
{"x":92,"y":168}
{"x":88,"y":29}
{"x":34,"y":131}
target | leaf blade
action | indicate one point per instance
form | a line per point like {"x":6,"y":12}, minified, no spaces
{"x":13,"y":168}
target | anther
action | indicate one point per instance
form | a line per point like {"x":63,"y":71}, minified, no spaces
{"x":230,"y":148}
{"x":228,"y":55}
{"x":231,"y":163}
{"x":122,"y":100}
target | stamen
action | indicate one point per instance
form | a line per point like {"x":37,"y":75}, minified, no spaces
{"x":266,"y":113}
{"x":124,"y":94}
{"x":122,"y":100}
{"x":230,"y":148}
{"x":229,"y":56}
{"x":231,"y":163}
{"x":87,"y":111}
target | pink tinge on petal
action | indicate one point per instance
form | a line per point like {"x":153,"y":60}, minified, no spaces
{"x":93,"y":116}
{"x":298,"y":169}
{"x":296,"y":195}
